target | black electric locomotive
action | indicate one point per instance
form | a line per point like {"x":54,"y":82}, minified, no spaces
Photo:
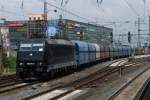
{"x":41,"y":58}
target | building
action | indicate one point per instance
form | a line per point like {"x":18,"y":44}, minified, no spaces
{"x":84,"y":31}
{"x":36,"y":17}
{"x":17,"y":32}
{"x":69,"y":29}
{"x":37,"y":26}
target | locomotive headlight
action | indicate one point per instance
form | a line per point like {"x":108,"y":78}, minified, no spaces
{"x":40,"y":63}
{"x":40,"y":49}
{"x":21,"y":64}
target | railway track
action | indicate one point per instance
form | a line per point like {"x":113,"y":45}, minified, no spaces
{"x":15,"y":87}
{"x":125,"y":86}
{"x":5,"y":77}
{"x":11,"y":83}
{"x":9,"y":80}
{"x":71,"y":87}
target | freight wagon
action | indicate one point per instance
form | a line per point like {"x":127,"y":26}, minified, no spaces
{"x":46,"y":58}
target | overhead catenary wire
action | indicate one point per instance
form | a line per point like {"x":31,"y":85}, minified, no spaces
{"x":67,"y":11}
{"x":64,"y":3}
{"x":99,"y":2}
{"x":131,"y":7}
{"x":10,"y":12}
{"x":50,"y":4}
{"x":2,"y":9}
{"x":22,"y":4}
{"x":144,"y":8}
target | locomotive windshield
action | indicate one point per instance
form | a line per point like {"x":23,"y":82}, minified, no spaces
{"x":31,"y":47}
{"x":25,"y":47}
{"x":37,"y":47}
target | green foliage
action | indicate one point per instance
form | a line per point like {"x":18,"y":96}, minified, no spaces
{"x":9,"y":62}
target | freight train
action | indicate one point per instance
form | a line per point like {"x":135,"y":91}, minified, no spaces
{"x":48,"y":57}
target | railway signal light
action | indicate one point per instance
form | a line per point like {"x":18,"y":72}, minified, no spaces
{"x":129,"y":37}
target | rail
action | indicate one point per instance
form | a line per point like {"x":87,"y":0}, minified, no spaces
{"x":80,"y":83}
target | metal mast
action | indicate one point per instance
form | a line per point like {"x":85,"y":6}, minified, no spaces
{"x":139,"y":41}
{"x":149,"y":31}
{"x":45,"y":18}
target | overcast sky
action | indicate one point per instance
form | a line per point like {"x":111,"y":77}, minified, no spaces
{"x":110,"y":11}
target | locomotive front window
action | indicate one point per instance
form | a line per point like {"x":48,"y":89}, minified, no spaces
{"x":37,"y":47}
{"x":25,"y":47}
{"x":31,"y":47}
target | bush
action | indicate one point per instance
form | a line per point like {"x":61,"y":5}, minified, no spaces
{"x":9,"y":62}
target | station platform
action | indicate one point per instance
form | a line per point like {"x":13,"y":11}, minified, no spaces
{"x":144,"y":93}
{"x":138,"y":89}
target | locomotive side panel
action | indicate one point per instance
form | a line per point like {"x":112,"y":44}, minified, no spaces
{"x":60,"y":54}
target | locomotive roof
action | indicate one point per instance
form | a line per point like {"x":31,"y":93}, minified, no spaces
{"x":32,"y":41}
{"x":58,"y":41}
{"x":49,"y":41}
